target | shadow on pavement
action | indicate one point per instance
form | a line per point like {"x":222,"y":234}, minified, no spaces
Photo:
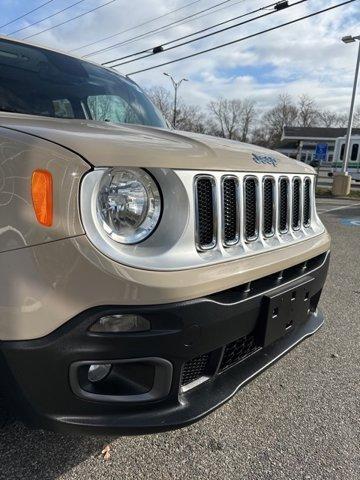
{"x":36,"y":454}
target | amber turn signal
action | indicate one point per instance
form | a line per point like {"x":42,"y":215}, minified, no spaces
{"x":42,"y":196}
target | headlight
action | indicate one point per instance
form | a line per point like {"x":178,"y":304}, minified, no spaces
{"x":128,"y":204}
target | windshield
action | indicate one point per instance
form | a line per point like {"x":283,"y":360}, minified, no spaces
{"x":36,"y":81}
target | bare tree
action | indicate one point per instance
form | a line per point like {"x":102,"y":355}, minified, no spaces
{"x":232,"y":118}
{"x":226,"y":113}
{"x":308,"y":112}
{"x":235,"y":118}
{"x":161,"y":98}
{"x":190,"y":118}
{"x":328,"y":119}
{"x":357,"y":118}
{"x":284,"y":113}
{"x":262,"y":136}
{"x":212,"y":127}
{"x":248,"y":116}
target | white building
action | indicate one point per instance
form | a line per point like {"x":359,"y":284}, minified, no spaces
{"x":303,"y":140}
{"x":354,"y":160}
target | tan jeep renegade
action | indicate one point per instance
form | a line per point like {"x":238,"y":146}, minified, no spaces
{"x":146,"y":274}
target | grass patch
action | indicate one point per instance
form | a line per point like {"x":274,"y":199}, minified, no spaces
{"x":323,"y":192}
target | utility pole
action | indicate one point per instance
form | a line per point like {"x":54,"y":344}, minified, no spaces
{"x":176,"y":86}
{"x":342,"y":182}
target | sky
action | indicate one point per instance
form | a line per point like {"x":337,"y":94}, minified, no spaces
{"x":305,"y":58}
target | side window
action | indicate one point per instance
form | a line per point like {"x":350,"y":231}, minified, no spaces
{"x":342,"y":152}
{"x":354,"y":152}
{"x":111,"y":108}
{"x":63,"y":108}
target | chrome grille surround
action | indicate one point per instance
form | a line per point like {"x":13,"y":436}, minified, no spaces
{"x":269,"y":206}
{"x":284,"y":204}
{"x":226,"y":206}
{"x":306,"y":216}
{"x":297,"y":203}
{"x":199,"y":209}
{"x":282,"y":207}
{"x":251,"y":201}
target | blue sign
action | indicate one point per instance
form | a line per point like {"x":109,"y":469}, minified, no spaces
{"x":321,"y":152}
{"x":351,"y":222}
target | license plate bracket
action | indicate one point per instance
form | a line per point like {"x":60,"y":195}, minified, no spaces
{"x":286,"y":309}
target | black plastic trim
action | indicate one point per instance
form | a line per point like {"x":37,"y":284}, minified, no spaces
{"x":160,"y":388}
{"x":36,"y":372}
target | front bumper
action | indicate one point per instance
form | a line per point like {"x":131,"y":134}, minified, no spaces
{"x":208,"y":348}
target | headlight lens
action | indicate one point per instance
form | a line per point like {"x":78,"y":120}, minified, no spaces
{"x":128,"y":204}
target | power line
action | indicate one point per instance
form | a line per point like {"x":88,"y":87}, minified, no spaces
{"x":46,"y":18}
{"x":166,"y":27}
{"x":161,"y":29}
{"x":158,"y":29}
{"x":207,"y":35}
{"x":243,"y":38}
{"x":136,"y":26}
{"x":198,"y":32}
{"x":70,"y":20}
{"x":27,"y":13}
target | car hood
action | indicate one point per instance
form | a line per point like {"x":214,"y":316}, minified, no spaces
{"x":104,"y":144}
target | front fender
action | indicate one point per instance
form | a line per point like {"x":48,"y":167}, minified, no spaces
{"x":20,"y":155}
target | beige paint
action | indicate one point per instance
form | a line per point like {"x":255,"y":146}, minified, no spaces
{"x":106,"y":144}
{"x":48,"y":284}
{"x":49,"y":275}
{"x":20,"y":155}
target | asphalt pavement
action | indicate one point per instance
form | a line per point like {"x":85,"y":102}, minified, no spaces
{"x":298,"y":420}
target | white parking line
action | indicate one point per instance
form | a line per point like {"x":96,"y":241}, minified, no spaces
{"x":325,"y":208}
{"x":339,"y":208}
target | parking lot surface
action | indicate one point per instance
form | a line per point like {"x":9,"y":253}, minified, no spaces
{"x":298,"y":420}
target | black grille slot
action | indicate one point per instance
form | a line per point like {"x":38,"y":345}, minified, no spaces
{"x":296,"y":204}
{"x":230,"y":211}
{"x":283,"y":205}
{"x":194,"y":369}
{"x":250,"y":209}
{"x":237,"y":351}
{"x":205,"y":213}
{"x":307,"y":202}
{"x":268,"y":208}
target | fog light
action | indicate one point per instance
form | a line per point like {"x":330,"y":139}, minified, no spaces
{"x":98,"y":372}
{"x":121,"y":324}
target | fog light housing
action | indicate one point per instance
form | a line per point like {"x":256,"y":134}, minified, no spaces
{"x":125,"y":380}
{"x":126,"y":323}
{"x":98,"y":372}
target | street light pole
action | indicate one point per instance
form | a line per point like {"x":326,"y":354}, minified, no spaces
{"x":342,"y":181}
{"x":351,"y":39}
{"x":176,"y":86}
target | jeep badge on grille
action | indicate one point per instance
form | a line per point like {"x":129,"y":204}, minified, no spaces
{"x":265,"y":159}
